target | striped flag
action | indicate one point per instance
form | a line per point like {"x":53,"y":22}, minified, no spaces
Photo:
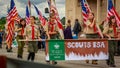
{"x":41,"y":18}
{"x":11,"y":16}
{"x":27,"y":15}
{"x":53,"y":9}
{"x":18,"y":18}
{"x":112,"y":12}
{"x":85,"y":11}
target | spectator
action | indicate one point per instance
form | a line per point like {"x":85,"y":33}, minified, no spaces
{"x":43,"y":35}
{"x":1,"y":38}
{"x":77,"y":28}
{"x":67,"y":31}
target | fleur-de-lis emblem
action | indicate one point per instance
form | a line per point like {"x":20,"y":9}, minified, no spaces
{"x":56,"y":46}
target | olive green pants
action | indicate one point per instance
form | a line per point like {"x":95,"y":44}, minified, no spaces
{"x":32,"y":49}
{"x":32,"y":46}
{"x":92,"y":36}
{"x":112,"y":45}
{"x":20,"y":45}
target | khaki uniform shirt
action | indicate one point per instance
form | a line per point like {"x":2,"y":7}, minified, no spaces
{"x":109,"y":31}
{"x":89,"y":30}
{"x":54,"y":36}
{"x":19,"y":32}
{"x":28,"y":31}
{"x":55,"y":27}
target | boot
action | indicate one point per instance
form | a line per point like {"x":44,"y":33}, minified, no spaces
{"x":48,"y":62}
{"x":94,"y":62}
{"x":54,"y":62}
{"x":9,"y":50}
{"x":87,"y":61}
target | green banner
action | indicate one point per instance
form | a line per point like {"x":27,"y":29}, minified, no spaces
{"x":56,"y":50}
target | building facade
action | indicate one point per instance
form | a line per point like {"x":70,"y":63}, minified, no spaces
{"x":99,"y":7}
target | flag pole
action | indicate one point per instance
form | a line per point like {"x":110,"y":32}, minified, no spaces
{"x":29,"y":6}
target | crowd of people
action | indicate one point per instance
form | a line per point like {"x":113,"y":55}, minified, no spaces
{"x":32,"y":31}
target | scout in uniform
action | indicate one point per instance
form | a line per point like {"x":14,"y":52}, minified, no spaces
{"x":111,"y":33}
{"x":53,"y":32}
{"x":20,"y":35}
{"x":32,"y":33}
{"x":90,"y":31}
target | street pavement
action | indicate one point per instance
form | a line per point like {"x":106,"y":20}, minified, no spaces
{"x":40,"y":58}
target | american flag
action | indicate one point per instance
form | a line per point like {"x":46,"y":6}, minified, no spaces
{"x":27,"y":15}
{"x":112,"y":12}
{"x":11,"y":16}
{"x":52,"y":6}
{"x":41,"y":18}
{"x":85,"y":11}
{"x":18,"y":18}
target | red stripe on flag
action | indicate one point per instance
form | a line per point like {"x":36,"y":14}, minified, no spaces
{"x":12,"y":15}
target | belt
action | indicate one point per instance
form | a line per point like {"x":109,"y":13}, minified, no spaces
{"x":92,"y":34}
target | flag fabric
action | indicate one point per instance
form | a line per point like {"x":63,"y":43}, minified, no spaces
{"x":41,"y":18}
{"x":27,"y":15}
{"x":18,"y":18}
{"x":85,"y":11}
{"x":112,"y":12}
{"x":53,"y":9}
{"x":11,"y":16}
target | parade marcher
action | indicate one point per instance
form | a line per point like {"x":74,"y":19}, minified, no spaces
{"x":53,"y":32}
{"x":32,"y":33}
{"x":111,"y":33}
{"x":20,"y":28}
{"x":77,"y":28}
{"x":67,"y":31}
{"x":90,"y":31}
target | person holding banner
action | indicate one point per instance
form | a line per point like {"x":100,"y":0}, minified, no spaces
{"x":53,"y":31}
{"x":32,"y":33}
{"x":90,"y":31}
{"x":20,"y":28}
{"x":111,"y":33}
